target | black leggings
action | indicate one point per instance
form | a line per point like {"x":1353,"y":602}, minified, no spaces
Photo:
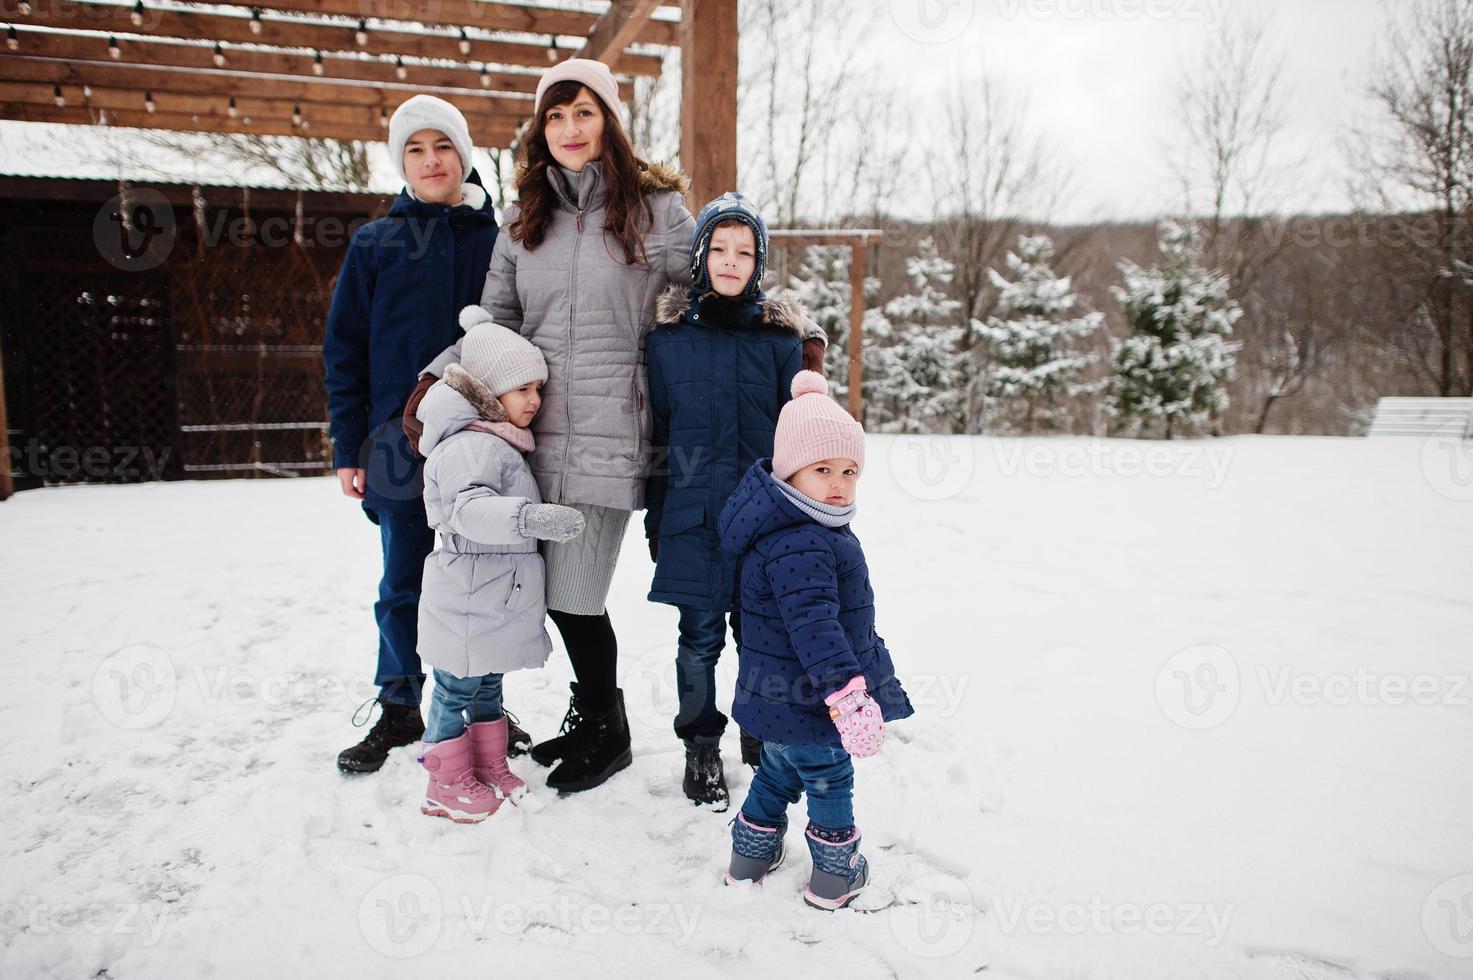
{"x":594,"y":653}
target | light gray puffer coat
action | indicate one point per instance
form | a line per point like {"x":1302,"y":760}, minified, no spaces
{"x":481,"y":610}
{"x":588,"y":310}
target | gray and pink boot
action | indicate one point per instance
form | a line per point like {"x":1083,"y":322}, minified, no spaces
{"x":488,"y":759}
{"x":840,"y":872}
{"x":755,"y":850}
{"x":454,"y":791}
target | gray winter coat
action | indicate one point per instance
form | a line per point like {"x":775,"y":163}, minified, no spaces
{"x":482,"y":608}
{"x":588,"y":310}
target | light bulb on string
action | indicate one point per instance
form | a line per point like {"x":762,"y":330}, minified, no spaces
{"x":361,"y":35}
{"x":255,"y":20}
{"x":136,"y":17}
{"x":148,"y":102}
{"x":113,"y":51}
{"x":465,"y":42}
{"x":317,"y":64}
{"x":219,"y":56}
{"x":57,"y":97}
{"x":12,"y":39}
{"x":400,"y":72}
{"x":231,"y":110}
{"x":551,"y":47}
{"x":485,"y":77}
{"x":296,"y":115}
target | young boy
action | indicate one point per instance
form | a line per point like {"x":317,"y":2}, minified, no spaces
{"x":402,"y":282}
{"x":720,"y":364}
{"x":814,"y":680}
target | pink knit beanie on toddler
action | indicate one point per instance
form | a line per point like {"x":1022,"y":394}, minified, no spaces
{"x":812,"y":427}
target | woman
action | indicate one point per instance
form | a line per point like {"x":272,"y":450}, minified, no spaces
{"x":595,"y":237}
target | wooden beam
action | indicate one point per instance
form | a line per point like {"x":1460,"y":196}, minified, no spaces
{"x":218,"y":107}
{"x":171,"y":53}
{"x":708,"y":98}
{"x":226,"y":28}
{"x":183,"y":123}
{"x":619,"y":27}
{"x":856,"y":332}
{"x":479,"y":14}
{"x":159,"y":80}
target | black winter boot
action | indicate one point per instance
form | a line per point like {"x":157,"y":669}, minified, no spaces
{"x":555,"y":748}
{"x":751,"y":750}
{"x":399,"y":724}
{"x":705,"y":782}
{"x":518,"y":742}
{"x":599,"y":747}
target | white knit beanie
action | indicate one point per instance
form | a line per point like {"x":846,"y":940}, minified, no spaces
{"x":594,"y":74}
{"x":813,"y":427}
{"x":498,"y":357}
{"x":428,"y":112}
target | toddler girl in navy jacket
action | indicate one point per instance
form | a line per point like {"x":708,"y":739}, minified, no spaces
{"x":815,"y":682}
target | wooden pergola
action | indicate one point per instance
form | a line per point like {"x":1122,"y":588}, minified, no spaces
{"x":336,"y":69}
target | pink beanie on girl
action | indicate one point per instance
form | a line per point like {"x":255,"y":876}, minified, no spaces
{"x":812,"y":427}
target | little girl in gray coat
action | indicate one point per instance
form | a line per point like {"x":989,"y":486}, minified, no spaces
{"x":481,"y":609}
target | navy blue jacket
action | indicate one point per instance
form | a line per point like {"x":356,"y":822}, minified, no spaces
{"x":808,"y":618}
{"x":720,"y":370}
{"x":402,"y":285}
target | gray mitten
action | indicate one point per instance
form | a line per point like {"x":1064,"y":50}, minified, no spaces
{"x":550,"y":522}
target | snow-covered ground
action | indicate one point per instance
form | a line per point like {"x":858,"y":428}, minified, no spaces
{"x":1188,"y":711}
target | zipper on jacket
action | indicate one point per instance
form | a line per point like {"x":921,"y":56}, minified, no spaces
{"x":572,"y":359}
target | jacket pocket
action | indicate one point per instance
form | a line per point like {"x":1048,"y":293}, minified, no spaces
{"x":528,"y":585}
{"x":685,"y":518}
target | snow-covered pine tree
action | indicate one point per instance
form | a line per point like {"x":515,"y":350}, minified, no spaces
{"x":1172,"y":368}
{"x":1034,"y":349}
{"x":821,"y":284}
{"x":917,"y":376}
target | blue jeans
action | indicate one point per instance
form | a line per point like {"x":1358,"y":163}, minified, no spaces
{"x":702,"y":638}
{"x":459,"y":700}
{"x":824,"y":772}
{"x":407,"y":541}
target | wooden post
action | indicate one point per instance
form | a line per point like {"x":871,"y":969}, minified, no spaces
{"x":7,"y":487}
{"x":856,"y":332}
{"x":708,"y":98}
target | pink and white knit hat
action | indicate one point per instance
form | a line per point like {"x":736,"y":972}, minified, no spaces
{"x":812,"y":427}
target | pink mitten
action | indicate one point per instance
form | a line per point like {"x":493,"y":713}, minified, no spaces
{"x":858,"y":719}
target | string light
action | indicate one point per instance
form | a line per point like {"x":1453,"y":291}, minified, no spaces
{"x":383,"y":117}
{"x":231,"y":110}
{"x":148,"y":102}
{"x":57,"y":97}
{"x":361,"y":35}
{"x":296,"y":115}
{"x":137,"y":15}
{"x":86,"y":91}
{"x":551,"y":47}
{"x":219,"y":55}
{"x":12,"y":39}
{"x":23,"y":7}
{"x":465,"y":42}
{"x":400,"y":72}
{"x":317,"y":64}
{"x":255,"y":20}
{"x":485,"y":77}
{"x":113,"y":51}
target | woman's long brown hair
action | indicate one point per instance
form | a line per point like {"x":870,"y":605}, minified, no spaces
{"x":626,"y":214}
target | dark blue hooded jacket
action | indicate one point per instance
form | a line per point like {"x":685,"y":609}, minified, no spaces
{"x":720,"y":371}
{"x":808,"y":617}
{"x":404,"y":280}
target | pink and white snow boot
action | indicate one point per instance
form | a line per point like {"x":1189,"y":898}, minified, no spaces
{"x":488,"y":759}
{"x":454,"y":791}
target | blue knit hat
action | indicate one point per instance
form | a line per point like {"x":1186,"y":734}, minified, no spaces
{"x":730,"y":206}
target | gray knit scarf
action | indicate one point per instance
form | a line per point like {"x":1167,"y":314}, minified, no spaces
{"x":826,"y":514}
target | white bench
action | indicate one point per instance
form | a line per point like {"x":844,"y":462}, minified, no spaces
{"x":1423,"y":417}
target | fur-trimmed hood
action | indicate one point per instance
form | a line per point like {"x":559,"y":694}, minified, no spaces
{"x":780,"y":314}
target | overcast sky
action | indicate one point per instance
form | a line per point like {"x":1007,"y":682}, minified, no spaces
{"x":1101,"y":78}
